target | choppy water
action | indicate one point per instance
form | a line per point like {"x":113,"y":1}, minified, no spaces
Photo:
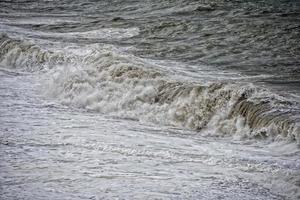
{"x":149,"y":100}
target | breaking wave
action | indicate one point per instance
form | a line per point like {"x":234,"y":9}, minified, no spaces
{"x":109,"y":81}
{"x":16,"y":54}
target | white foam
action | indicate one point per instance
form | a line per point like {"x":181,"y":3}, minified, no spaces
{"x":106,"y":80}
{"x":104,"y":33}
{"x":110,"y":82}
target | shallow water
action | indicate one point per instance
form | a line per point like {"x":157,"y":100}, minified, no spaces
{"x":149,"y":100}
{"x":49,"y":151}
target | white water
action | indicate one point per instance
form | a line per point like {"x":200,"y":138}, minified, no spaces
{"x":99,"y":100}
{"x":53,"y":152}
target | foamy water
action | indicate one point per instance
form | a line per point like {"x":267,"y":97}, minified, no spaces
{"x":119,"y":101}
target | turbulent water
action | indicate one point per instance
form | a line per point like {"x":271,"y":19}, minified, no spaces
{"x":149,"y":99}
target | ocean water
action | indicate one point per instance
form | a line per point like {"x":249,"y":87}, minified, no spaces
{"x":149,"y":99}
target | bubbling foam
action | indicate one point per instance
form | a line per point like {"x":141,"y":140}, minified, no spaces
{"x":108,"y":81}
{"x":112,"y":83}
{"x":24,"y":55}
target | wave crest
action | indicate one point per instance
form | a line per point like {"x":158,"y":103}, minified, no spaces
{"x":113,"y":83}
{"x":24,"y":55}
{"x":108,"y":81}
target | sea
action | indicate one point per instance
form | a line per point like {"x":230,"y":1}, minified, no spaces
{"x":149,"y":99}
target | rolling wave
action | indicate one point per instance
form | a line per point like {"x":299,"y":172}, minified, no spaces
{"x":109,"y":81}
{"x":27,"y":56}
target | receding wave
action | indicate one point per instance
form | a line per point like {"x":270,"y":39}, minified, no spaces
{"x":109,"y":81}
